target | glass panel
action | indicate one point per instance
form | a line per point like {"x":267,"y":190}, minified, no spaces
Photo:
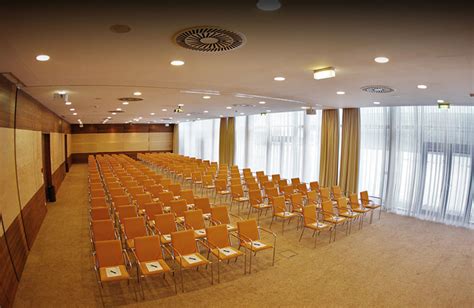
{"x":433,"y":182}
{"x":459,"y":184}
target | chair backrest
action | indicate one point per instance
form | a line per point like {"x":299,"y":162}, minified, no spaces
{"x":100,"y":213}
{"x":97,"y":193}
{"x":220,"y":214}
{"x":279,"y":204}
{"x":297,"y":201}
{"x":94,"y":186}
{"x":364,"y":197}
{"x":354,"y":201}
{"x":221,"y":184}
{"x":184,"y":242}
{"x":103,"y":230}
{"x":235,"y":181}
{"x":309,"y":214}
{"x":175,"y":189}
{"x":253,"y":186}
{"x":336,"y":192}
{"x":134,"y":227}
{"x":109,"y":253}
{"x":302,"y":188}
{"x":207,"y":180}
{"x":194,"y":219}
{"x":237,"y":191}
{"x":276,"y":178}
{"x":188,"y":195}
{"x":295,"y":182}
{"x":327,"y":209}
{"x":314,"y":185}
{"x":148,"y":248}
{"x":178,"y":207}
{"x":312,"y":196}
{"x":259,"y":174}
{"x":98,"y":202}
{"x":135,"y":190}
{"x":121,"y":200}
{"x":155,"y":190}
{"x":282,"y":183}
{"x":324,"y":193}
{"x":152,"y":209}
{"x":203,"y":204}
{"x":255,"y":197}
{"x":113,"y":185}
{"x":342,"y":205}
{"x":271,"y":193}
{"x":127,"y":211}
{"x":218,"y":236}
{"x":165,"y":223}
{"x":142,"y":199}
{"x":288,"y":191}
{"x":268,"y":185}
{"x":248,"y":229}
{"x":166,"y":197}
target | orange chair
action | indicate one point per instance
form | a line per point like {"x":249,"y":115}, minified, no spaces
{"x":220,"y":215}
{"x":324,"y":194}
{"x":288,"y":191}
{"x":252,"y":186}
{"x":256,"y":203}
{"x":166,"y":197}
{"x":221,"y":189}
{"x":197,"y":179}
{"x":102,"y":230}
{"x":276,"y":178}
{"x":165,"y":224}
{"x":149,"y":259}
{"x":98,"y":202}
{"x":175,"y":189}
{"x":219,"y":245}
{"x":295,"y":182}
{"x":337,"y":192}
{"x":303,"y":189}
{"x":97,"y":193}
{"x":136,"y":190}
{"x":207,"y":184}
{"x":99,"y":213}
{"x":204,"y":205}
{"x":142,"y":199}
{"x":133,"y":227}
{"x":356,"y":207}
{"x":345,"y":211}
{"x":238,"y":196}
{"x":310,"y":221}
{"x":178,"y":207}
{"x":314,"y":186}
{"x":271,"y":193}
{"x":370,"y":204}
{"x":297,"y":203}
{"x":186,"y":253}
{"x":151,"y":209}
{"x":120,"y":200}
{"x":188,"y":195}
{"x":193,"y":220}
{"x":331,"y":217}
{"x":117,"y":192}
{"x":280,"y":211}
{"x":155,"y":190}
{"x":313,"y":199}
{"x":249,"y":238}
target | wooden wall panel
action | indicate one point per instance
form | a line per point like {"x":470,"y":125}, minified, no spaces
{"x":8,"y":281}
{"x":33,"y":215}
{"x":59,"y":175}
{"x":121,"y":128}
{"x":7,"y":106}
{"x":81,"y":158}
{"x":17,"y":243}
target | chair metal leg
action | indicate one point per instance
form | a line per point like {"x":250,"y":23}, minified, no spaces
{"x":302,"y":231}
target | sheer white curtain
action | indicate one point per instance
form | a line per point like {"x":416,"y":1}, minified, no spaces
{"x":200,"y":139}
{"x":280,"y":143}
{"x":429,"y":170}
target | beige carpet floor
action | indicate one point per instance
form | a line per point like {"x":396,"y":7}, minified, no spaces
{"x":396,"y":261}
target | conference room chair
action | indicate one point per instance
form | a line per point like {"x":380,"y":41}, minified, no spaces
{"x":268,"y":184}
{"x":130,"y":184}
{"x":165,"y":182}
{"x":313,"y":199}
{"x":207,"y":184}
{"x":186,"y":253}
{"x":271,"y":193}
{"x":331,"y":217}
{"x":122,"y":212}
{"x":178,"y":207}
{"x":96,"y":186}
{"x":303,"y":189}
{"x":370,"y":204}
{"x":197,"y":179}
{"x":220,"y":216}
{"x":310,"y":221}
{"x":356,"y":207}
{"x":297,"y":203}
{"x":221,"y":189}
{"x":102,"y":230}
{"x":133,"y":227}
{"x":142,"y":199}
{"x":219,"y":245}
{"x":165,"y":224}
{"x":235,"y":181}
{"x":148,"y":183}
{"x":325,"y":194}
{"x":259,"y":174}
{"x":238,"y":196}
{"x":280,"y":211}
{"x":97,"y":193}
{"x":276,"y":178}
{"x":252,"y":186}
{"x":166,"y":197}
{"x":150,"y":261}
{"x":314,"y":186}
{"x":337,"y":192}
{"x":113,"y":185}
{"x":204,"y":205}
{"x":288,"y":192}
{"x":248,"y":233}
{"x":120,"y":200}
{"x":98,"y":202}
{"x":151,"y":209}
{"x":295,"y":182}
{"x":344,"y":210}
{"x":99,"y":213}
{"x":111,"y":264}
{"x":136,"y":190}
{"x":194,"y":220}
{"x":282,"y":183}
{"x":188,"y":195}
{"x":117,"y":192}
{"x":256,"y":203}
{"x":175,"y":188}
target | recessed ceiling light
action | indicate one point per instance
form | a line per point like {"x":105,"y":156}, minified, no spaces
{"x":171,"y":118}
{"x":164,"y":109}
{"x":279,"y":78}
{"x":42,"y":58}
{"x":199,"y":118}
{"x":206,"y":97}
{"x":152,"y":113}
{"x":205,"y":111}
{"x":119,"y":109}
{"x":324,"y":73}
{"x":376,"y":103}
{"x":125,"y":103}
{"x":440,"y":101}
{"x":177,"y":62}
{"x":114,"y":113}
{"x":140,"y":118}
{"x":268,"y":110}
{"x":221,"y":115}
{"x":340,"y":92}
{"x":242,"y":113}
{"x":72,"y":109}
{"x":62,"y":92}
{"x":75,"y":113}
{"x":167,"y":124}
{"x":262,"y":103}
{"x":68,"y":103}
{"x":188,"y":114}
{"x":109,"y":118}
{"x":268,"y":5}
{"x":180,"y":105}
{"x":381,"y":60}
{"x":422,"y":86}
{"x":137,"y":93}
{"x":305,"y":107}
{"x":228,"y":107}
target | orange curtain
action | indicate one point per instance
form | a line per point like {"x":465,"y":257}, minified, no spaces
{"x":329,"y":148}
{"x":350,"y":147}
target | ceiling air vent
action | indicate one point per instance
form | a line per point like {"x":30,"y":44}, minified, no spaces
{"x":377,"y":89}
{"x":209,"y":39}
{"x":130,"y":99}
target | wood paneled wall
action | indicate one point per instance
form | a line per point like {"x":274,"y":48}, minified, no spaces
{"x":22,"y":194}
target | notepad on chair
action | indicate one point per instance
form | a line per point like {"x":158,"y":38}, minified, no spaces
{"x":257,"y":244}
{"x":192,"y":259}
{"x":153,"y":266}
{"x":113,"y":272}
{"x":200,"y":232}
{"x":226,"y":251}
{"x":167,"y":237}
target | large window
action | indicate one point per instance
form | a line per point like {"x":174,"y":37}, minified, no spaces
{"x":200,"y":139}
{"x":420,"y":160}
{"x":280,"y":143}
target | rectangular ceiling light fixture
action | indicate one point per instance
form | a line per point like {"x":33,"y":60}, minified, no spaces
{"x":324,"y":73}
{"x":443,"y":105}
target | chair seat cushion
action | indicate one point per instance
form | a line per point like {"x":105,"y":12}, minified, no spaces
{"x":226,"y":253}
{"x":256,"y":245}
{"x":146,"y":268}
{"x":119,"y":273}
{"x":191,"y":260}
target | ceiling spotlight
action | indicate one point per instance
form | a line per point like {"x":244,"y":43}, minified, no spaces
{"x":75,"y":113}
{"x":324,"y":73}
{"x":381,"y":60}
{"x":205,"y":111}
{"x":198,"y":118}
{"x":42,"y":58}
{"x":140,"y":118}
{"x":177,"y":62}
{"x":228,"y":107}
{"x":167,"y":124}
{"x":220,"y":115}
{"x":137,"y":93}
{"x":206,"y":97}
{"x":68,"y":103}
{"x":119,"y":109}
{"x":305,"y":107}
{"x":125,"y":103}
{"x":72,"y":109}
{"x":62,"y":92}
{"x":422,"y":86}
{"x":242,"y":113}
{"x":164,"y":109}
{"x":152,"y":113}
{"x":268,"y":5}
{"x":440,"y":101}
{"x":136,"y":119}
{"x":376,"y":103}
{"x":268,"y":110}
{"x":114,"y":113}
{"x":109,"y":118}
{"x":340,"y":92}
{"x":279,"y":78}
{"x":188,"y":114}
{"x":262,"y":103}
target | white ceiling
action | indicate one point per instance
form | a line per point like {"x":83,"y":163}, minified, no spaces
{"x":427,"y":46}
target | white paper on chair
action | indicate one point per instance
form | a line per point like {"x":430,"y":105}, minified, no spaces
{"x":286,"y":214}
{"x":113,"y":271}
{"x":153,"y":266}
{"x":200,"y":232}
{"x":206,"y":215}
{"x":257,"y":244}
{"x":226,"y":251}
{"x":230,"y":227}
{"x":167,"y":237}
{"x":192,"y":259}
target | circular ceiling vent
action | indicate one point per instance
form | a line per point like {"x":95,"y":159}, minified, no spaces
{"x":377,"y":89}
{"x":130,"y":99}
{"x":209,"y":39}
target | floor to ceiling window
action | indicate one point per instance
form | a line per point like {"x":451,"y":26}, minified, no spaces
{"x":420,"y":160}
{"x":200,"y":139}
{"x":279,"y":143}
